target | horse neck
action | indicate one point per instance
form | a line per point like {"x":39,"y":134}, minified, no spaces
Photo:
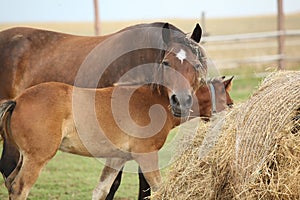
{"x":156,"y":95}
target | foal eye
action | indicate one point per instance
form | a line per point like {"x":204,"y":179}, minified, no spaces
{"x":166,"y":63}
{"x":197,"y":66}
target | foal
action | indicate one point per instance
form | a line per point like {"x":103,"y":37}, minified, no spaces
{"x":55,"y":116}
{"x":209,"y":99}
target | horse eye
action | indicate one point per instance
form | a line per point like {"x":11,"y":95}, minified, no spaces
{"x":166,"y":63}
{"x":197,"y":66}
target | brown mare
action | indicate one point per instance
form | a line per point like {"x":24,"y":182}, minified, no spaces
{"x":30,"y":56}
{"x":211,"y":98}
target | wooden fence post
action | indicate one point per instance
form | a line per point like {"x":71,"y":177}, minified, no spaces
{"x":281,"y":36}
{"x":203,"y":23}
{"x":97,"y":21}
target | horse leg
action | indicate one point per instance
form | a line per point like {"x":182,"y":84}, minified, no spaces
{"x":144,"y":189}
{"x":25,"y":178}
{"x":13,"y":174}
{"x":115,"y":186}
{"x":9,"y":158}
{"x":149,"y":166}
{"x":109,"y":174}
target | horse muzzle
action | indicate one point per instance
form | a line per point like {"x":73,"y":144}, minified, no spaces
{"x":181,"y":104}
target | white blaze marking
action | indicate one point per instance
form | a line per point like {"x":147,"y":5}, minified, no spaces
{"x":181,"y":55}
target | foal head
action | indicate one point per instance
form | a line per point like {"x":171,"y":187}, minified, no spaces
{"x":213,"y":97}
{"x":182,"y":65}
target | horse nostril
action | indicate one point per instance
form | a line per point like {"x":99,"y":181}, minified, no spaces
{"x":189,"y":101}
{"x":174,"y":100}
{"x":181,"y":100}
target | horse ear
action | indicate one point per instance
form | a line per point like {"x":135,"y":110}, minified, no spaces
{"x":166,"y":33}
{"x":228,"y":84}
{"x":197,"y":33}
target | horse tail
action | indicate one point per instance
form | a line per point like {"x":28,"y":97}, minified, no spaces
{"x":6,"y":109}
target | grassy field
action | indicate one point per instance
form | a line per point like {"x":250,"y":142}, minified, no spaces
{"x":73,"y":177}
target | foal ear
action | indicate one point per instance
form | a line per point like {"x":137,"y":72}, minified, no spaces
{"x":228,"y":84}
{"x":166,"y":33}
{"x":197,"y":33}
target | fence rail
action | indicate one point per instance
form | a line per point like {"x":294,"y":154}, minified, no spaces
{"x":236,"y":41}
{"x":250,"y":36}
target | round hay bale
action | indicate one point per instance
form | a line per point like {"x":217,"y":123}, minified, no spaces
{"x":253,"y":152}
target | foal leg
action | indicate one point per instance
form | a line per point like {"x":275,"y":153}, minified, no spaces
{"x":109,"y":174}
{"x":9,"y":158}
{"x":14,"y":173}
{"x":149,"y":166}
{"x":26,"y":178}
{"x":115,"y":186}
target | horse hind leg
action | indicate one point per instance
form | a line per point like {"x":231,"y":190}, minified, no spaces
{"x":9,"y":158}
{"x":108,"y":175}
{"x":25,"y":178}
{"x":13,"y":174}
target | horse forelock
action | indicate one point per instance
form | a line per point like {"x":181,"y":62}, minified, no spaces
{"x":196,"y":49}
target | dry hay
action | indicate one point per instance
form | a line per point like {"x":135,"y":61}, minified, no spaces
{"x":253,"y":152}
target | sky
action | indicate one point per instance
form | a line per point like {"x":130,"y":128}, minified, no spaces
{"x":111,"y":10}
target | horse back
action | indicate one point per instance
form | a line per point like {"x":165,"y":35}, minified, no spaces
{"x":25,"y":51}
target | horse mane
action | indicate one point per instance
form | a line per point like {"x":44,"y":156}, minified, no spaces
{"x":214,"y":80}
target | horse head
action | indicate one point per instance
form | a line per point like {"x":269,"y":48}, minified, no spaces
{"x":183,"y":65}
{"x":213,"y":97}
